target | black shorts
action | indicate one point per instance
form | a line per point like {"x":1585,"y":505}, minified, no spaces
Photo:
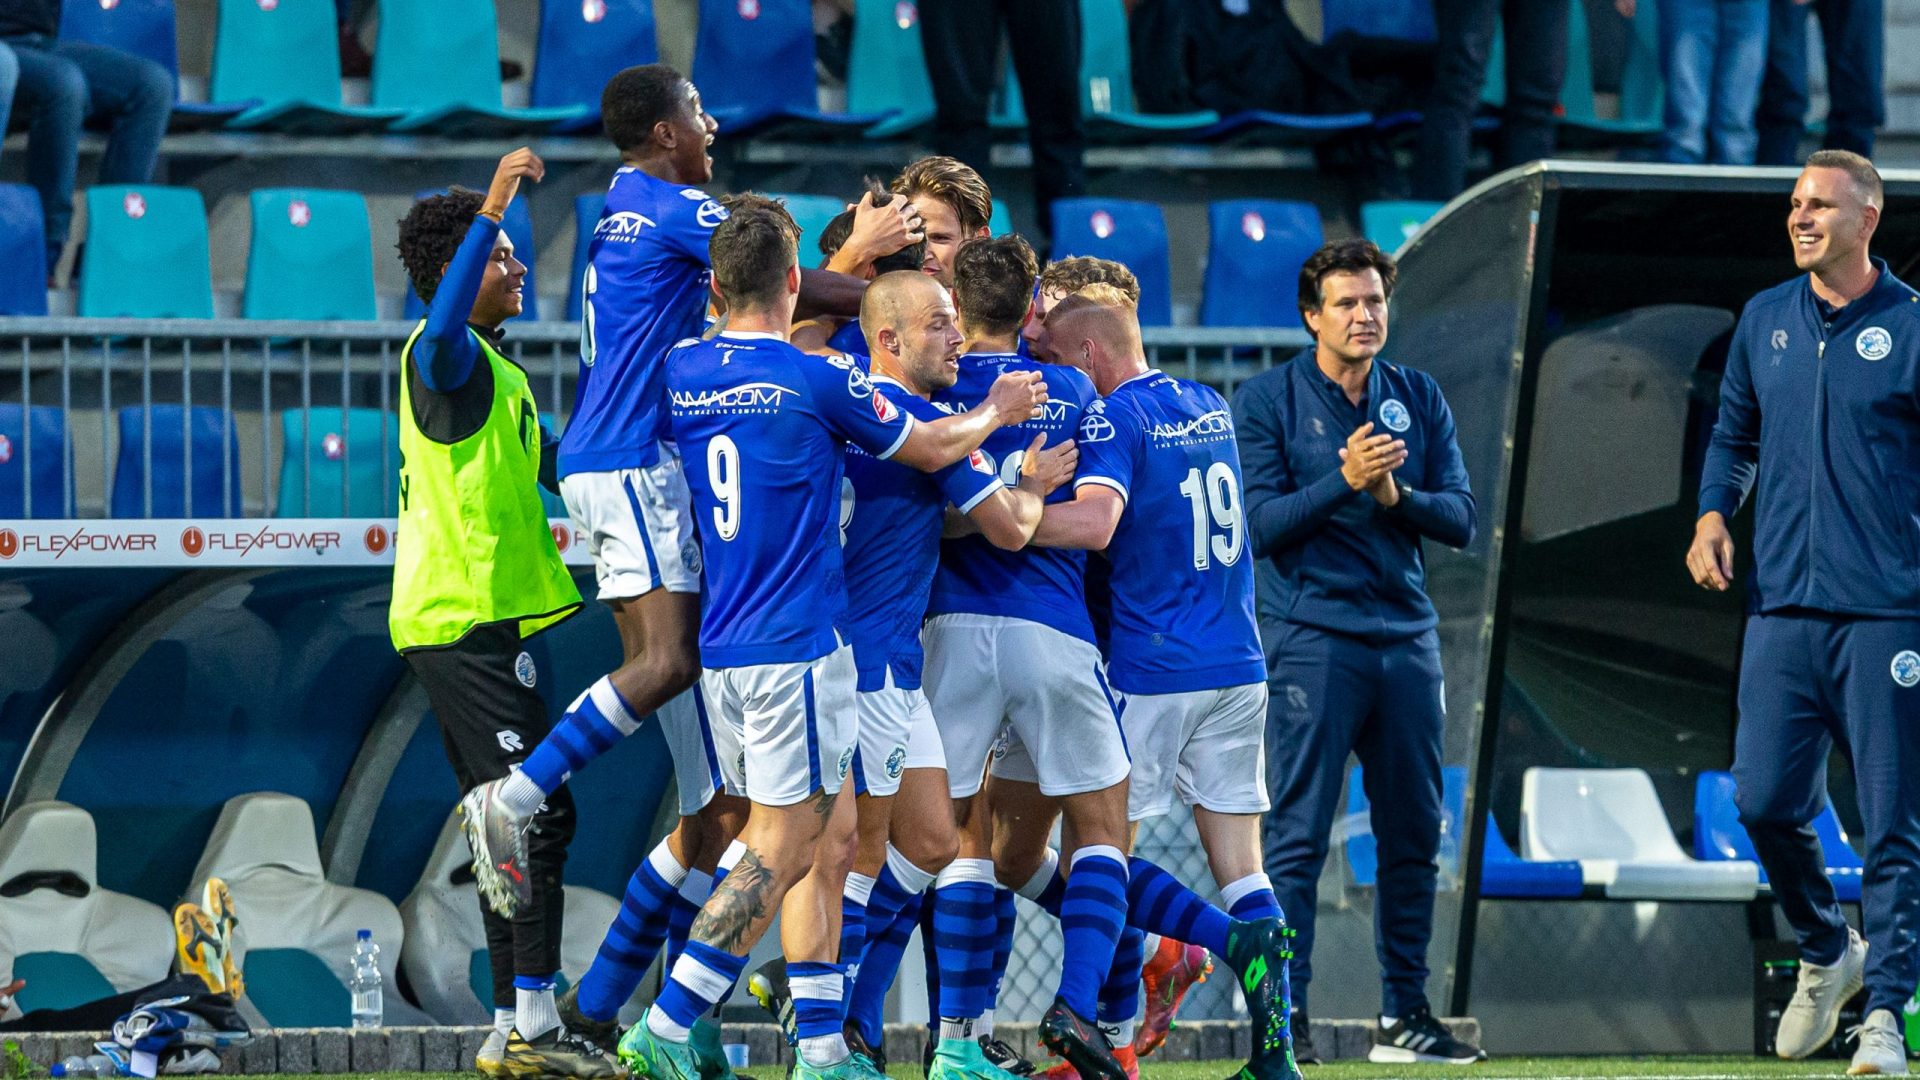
{"x":483,"y":687}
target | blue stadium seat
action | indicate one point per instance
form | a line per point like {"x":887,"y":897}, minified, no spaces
{"x":286,"y":57}
{"x":1106,"y":84}
{"x":1390,"y":224}
{"x":311,"y":256}
{"x":23,"y":231}
{"x":583,"y":43}
{"x":1402,"y":20}
{"x":518,"y":225}
{"x":812,"y":213}
{"x":1133,"y":233}
{"x":1255,"y":248}
{"x":144,"y":28}
{"x":887,"y":68}
{"x":134,"y":230}
{"x":182,"y":445}
{"x":440,"y":60}
{"x":343,"y":458}
{"x":40,"y":469}
{"x":1506,"y":876}
{"x":1363,"y":860}
{"x":586,"y":217}
{"x":1718,"y":835}
{"x":753,"y":61}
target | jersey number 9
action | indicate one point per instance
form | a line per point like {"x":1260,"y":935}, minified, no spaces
{"x":723,"y":474}
{"x":1215,"y":496}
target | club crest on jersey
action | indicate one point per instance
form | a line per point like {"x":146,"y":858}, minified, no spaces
{"x":1874,"y":343}
{"x":1395,"y":415}
{"x":896,"y":762}
{"x":1906,"y":668}
{"x":523,"y":670}
{"x":622,"y":227}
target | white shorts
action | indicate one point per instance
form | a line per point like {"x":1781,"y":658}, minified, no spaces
{"x":986,"y":673}
{"x":696,"y":764}
{"x":897,"y":733}
{"x":639,"y":526}
{"x":783,"y":731}
{"x":1208,"y":745}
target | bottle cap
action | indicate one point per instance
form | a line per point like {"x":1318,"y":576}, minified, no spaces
{"x":365,"y":935}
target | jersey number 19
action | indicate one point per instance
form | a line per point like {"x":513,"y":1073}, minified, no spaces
{"x":1217,"y":497}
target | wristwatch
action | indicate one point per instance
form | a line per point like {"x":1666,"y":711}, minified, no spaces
{"x":1405,"y":490}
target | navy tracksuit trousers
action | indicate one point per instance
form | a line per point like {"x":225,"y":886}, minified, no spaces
{"x":1807,"y":679}
{"x":1331,"y":694}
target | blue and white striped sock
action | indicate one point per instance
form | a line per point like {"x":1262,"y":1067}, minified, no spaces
{"x":596,"y":720}
{"x":1157,"y":902}
{"x":693,"y":893}
{"x":1048,"y":886}
{"x":702,"y":976}
{"x":1250,"y":898}
{"x":636,"y":934}
{"x":963,"y":937}
{"x":819,"y":1008}
{"x":1005,"y":918}
{"x":1092,"y":914}
{"x":1120,"y":993}
{"x":886,"y":944}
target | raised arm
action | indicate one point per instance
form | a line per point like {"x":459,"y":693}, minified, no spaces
{"x":1015,"y":397}
{"x":446,"y":351}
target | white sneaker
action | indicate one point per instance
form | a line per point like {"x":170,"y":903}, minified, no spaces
{"x":1813,"y":1015}
{"x":1883,"y":1046}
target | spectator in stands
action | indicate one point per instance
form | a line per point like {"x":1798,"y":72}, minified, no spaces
{"x":1712,"y":53}
{"x":962,"y":43}
{"x":64,"y":84}
{"x":1536,"y":63}
{"x":1853,"y":36}
{"x":9,"y":75}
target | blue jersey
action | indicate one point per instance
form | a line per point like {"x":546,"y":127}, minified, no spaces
{"x":761,"y":426}
{"x":1036,"y":584}
{"x":645,"y":289}
{"x":849,"y":338}
{"x":891,"y":518}
{"x":1182,"y":573}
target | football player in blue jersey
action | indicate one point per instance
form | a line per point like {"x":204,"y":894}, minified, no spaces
{"x":762,"y":426}
{"x":1158,"y":452}
{"x":1061,"y":279}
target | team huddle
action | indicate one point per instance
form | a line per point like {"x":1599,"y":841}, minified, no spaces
{"x":849,"y":561}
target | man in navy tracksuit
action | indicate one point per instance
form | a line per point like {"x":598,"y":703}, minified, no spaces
{"x":1821,"y":405}
{"x":1349,"y":463}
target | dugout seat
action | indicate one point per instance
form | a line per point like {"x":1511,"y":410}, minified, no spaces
{"x":131,"y":230}
{"x":38,"y":471}
{"x":582,"y":44}
{"x":517,"y":223}
{"x":1390,"y":224}
{"x":446,"y":956}
{"x":440,"y":61}
{"x":339,"y":454}
{"x":586,"y":218}
{"x":1506,"y":876}
{"x":146,"y":29}
{"x":754,"y":63}
{"x":1362,"y":852}
{"x":310,"y":257}
{"x":887,"y":69}
{"x":23,"y":233}
{"x":1611,"y":822}
{"x":296,"y":927}
{"x":1255,"y":248}
{"x":1718,"y":835}
{"x":72,"y":940}
{"x":178,"y":451}
{"x":286,"y":57}
{"x":1131,"y":233}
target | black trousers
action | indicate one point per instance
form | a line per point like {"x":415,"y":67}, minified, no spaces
{"x":1536,"y":63}
{"x":962,"y":41}
{"x":491,"y":718}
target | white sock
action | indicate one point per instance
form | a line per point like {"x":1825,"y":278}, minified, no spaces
{"x":1037,"y":884}
{"x":534,"y":1013}
{"x":912,"y":879}
{"x":1120,"y":1034}
{"x":522,"y":796}
{"x":1233,"y":891}
{"x":664,"y":1026}
{"x":962,"y":1028}
{"x":503,"y":1020}
{"x":821,"y":1051}
{"x":859,"y":888}
{"x":984,"y":1027}
{"x":1149,"y":946}
{"x":1388,"y":1021}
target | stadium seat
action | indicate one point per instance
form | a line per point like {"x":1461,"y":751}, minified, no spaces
{"x":1362,"y":851}
{"x":23,"y":231}
{"x":1610,"y":821}
{"x":1401,"y":20}
{"x":887,"y":69}
{"x":1506,"y":876}
{"x":298,"y":927}
{"x":1391,"y":224}
{"x":1718,"y":835}
{"x":518,"y":224}
{"x":1255,"y":248}
{"x":446,"y":956}
{"x":145,"y":28}
{"x":586,"y":218}
{"x":311,"y":256}
{"x":1106,"y":84}
{"x":344,"y":461}
{"x":286,"y":57}
{"x":72,"y":940}
{"x":1642,"y":90}
{"x":754,"y":63}
{"x":1001,"y":223}
{"x":131,"y":231}
{"x":1132,"y":233}
{"x":45,"y":475}
{"x":440,"y":61}
{"x":582,"y":44}
{"x":177,"y":445}
{"x":812,"y":213}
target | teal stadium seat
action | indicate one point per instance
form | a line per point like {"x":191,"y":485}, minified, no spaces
{"x":340,"y":456}
{"x":887,"y":68}
{"x":1255,"y":248}
{"x":38,"y":471}
{"x":156,"y":446}
{"x":1106,"y":84}
{"x":146,"y":29}
{"x":311,"y":256}
{"x":1642,"y":90}
{"x":286,"y":57}
{"x":1390,"y":224}
{"x":1001,"y":223}
{"x":812,"y":213}
{"x":1133,"y":234}
{"x":23,"y":230}
{"x":440,"y":61}
{"x":147,"y":255}
{"x":582,"y":44}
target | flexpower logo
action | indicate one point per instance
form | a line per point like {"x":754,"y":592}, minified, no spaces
{"x":60,"y":544}
{"x":244,"y":542}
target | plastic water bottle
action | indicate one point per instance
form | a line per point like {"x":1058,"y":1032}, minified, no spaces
{"x":91,"y":1065}
{"x":368,"y":1008}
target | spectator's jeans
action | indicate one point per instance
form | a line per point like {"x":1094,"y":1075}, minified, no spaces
{"x":1712,"y":53}
{"x":1536,"y":62}
{"x":62,"y":85}
{"x":1853,"y":33}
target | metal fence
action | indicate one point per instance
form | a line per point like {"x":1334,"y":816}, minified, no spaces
{"x":261,"y":378}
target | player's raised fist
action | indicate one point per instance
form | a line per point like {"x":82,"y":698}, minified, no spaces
{"x":1017,"y":396}
{"x":522,"y":164}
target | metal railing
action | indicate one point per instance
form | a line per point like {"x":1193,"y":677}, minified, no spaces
{"x":260,"y":375}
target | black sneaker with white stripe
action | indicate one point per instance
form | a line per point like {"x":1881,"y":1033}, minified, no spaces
{"x":1421,"y":1038}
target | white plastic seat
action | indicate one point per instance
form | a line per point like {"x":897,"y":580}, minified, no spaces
{"x":129,"y":942}
{"x":1611,"y":822}
{"x":444,"y":932}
